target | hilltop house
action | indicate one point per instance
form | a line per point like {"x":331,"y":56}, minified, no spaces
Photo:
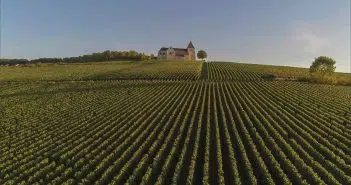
{"x":177,"y":53}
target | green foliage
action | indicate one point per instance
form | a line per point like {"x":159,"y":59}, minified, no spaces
{"x":201,"y":54}
{"x":230,"y":71}
{"x":322,"y":66}
{"x":94,"y":57}
{"x":233,"y":128}
{"x":103,"y":71}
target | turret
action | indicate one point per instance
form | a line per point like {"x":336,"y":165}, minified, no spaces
{"x":191,"y":51}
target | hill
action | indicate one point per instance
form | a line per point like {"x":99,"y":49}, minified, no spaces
{"x":161,"y":70}
{"x":102,"y":71}
{"x":171,"y":123}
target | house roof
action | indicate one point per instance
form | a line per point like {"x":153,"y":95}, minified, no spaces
{"x":163,"y":49}
{"x":190,"y":45}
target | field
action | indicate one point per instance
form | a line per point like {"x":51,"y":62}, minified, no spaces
{"x":102,"y":71}
{"x":242,"y":71}
{"x":189,"y":123}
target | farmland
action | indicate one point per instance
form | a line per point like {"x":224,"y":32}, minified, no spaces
{"x":102,"y":71}
{"x":171,"y":123}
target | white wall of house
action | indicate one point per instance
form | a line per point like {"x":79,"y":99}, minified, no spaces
{"x":170,"y":54}
{"x":162,"y":55}
{"x":191,"y":55}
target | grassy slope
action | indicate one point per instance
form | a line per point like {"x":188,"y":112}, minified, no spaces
{"x":259,"y":70}
{"x":164,"y":70}
{"x":103,"y":71}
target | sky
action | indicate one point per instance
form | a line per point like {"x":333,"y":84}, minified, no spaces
{"x":276,"y":32}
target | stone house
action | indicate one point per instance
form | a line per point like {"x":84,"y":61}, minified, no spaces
{"x":177,"y":53}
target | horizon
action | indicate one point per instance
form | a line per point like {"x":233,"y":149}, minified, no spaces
{"x":270,"y":32}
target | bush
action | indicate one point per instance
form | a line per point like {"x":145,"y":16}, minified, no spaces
{"x":269,"y":77}
{"x":332,"y":80}
{"x":322,"y":66}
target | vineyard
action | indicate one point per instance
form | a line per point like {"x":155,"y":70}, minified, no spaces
{"x":245,"y":72}
{"x":103,"y":71}
{"x":210,"y":123}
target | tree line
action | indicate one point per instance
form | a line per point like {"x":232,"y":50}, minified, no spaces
{"x":94,"y":57}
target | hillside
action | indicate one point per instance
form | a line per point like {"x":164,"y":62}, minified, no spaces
{"x":153,"y":69}
{"x":102,"y":71}
{"x":171,"y":123}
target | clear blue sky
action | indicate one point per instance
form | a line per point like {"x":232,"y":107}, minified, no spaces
{"x":279,"y":32}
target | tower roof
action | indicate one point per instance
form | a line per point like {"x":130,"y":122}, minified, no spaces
{"x":190,"y":45}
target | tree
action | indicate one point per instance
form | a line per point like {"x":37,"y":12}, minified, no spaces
{"x":201,"y":54}
{"x":107,"y":55}
{"x":322,"y":65}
